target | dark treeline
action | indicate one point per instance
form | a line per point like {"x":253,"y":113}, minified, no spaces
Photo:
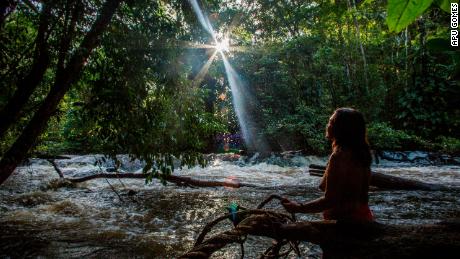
{"x":126,"y":76}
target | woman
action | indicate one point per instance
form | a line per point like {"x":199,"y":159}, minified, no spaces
{"x":346,"y":180}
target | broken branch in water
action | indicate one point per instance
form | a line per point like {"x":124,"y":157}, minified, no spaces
{"x":58,"y":170}
{"x":243,"y":213}
{"x":351,"y":239}
{"x":240,"y":236}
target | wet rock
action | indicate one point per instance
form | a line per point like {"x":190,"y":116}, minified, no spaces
{"x":394,"y":156}
{"x":419,"y":157}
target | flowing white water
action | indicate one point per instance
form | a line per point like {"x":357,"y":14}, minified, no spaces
{"x":163,"y":221}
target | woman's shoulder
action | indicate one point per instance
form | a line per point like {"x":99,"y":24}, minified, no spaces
{"x":345,"y":159}
{"x":341,"y":154}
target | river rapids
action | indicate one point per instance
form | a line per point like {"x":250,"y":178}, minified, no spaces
{"x":121,"y":218}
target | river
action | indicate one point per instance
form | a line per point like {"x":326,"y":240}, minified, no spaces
{"x":39,"y":218}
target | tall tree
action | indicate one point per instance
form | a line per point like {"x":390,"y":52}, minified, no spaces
{"x":27,"y":85}
{"x":64,"y":79}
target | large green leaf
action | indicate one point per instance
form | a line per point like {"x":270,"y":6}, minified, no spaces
{"x":445,"y":4}
{"x":401,"y":13}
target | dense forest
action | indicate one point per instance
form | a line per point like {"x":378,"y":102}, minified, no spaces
{"x":145,"y":78}
{"x":141,"y":128}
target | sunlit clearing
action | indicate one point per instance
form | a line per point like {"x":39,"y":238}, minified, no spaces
{"x":223,"y":45}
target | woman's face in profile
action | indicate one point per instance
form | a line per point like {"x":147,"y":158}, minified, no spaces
{"x":329,"y":128}
{"x":329,"y":134}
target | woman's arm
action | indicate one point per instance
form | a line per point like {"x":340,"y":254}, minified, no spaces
{"x":332,"y":188}
{"x":322,"y":185}
{"x":314,"y":206}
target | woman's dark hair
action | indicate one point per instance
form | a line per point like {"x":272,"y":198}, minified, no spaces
{"x":347,"y":130}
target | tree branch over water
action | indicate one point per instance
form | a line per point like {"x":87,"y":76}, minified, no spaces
{"x":358,"y":239}
{"x":379,"y":180}
{"x":339,"y":239}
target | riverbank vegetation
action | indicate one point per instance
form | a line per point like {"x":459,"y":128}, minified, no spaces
{"x":143,"y":77}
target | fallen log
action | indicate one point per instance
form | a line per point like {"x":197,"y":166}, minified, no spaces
{"x":48,"y":156}
{"x":343,"y":239}
{"x":188,"y":181}
{"x":386,"y":181}
{"x":378,"y":180}
{"x":179,"y":180}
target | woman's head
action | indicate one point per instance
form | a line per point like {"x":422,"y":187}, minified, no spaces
{"x":347,"y":129}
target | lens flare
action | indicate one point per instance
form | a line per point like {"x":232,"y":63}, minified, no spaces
{"x":223,"y":45}
{"x":231,"y":180}
{"x":242,"y":98}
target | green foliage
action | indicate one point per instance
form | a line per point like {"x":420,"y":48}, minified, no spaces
{"x":382,"y":136}
{"x":449,"y":144}
{"x":300,"y":59}
{"x":402,"y":13}
{"x":445,"y":4}
{"x":306,"y":123}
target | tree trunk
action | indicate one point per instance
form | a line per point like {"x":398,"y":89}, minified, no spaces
{"x":27,"y":85}
{"x":423,"y":56}
{"x":385,"y":181}
{"x":62,"y":84}
{"x":406,"y":57}
{"x":361,"y":48}
{"x":343,"y":239}
{"x":179,"y":180}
